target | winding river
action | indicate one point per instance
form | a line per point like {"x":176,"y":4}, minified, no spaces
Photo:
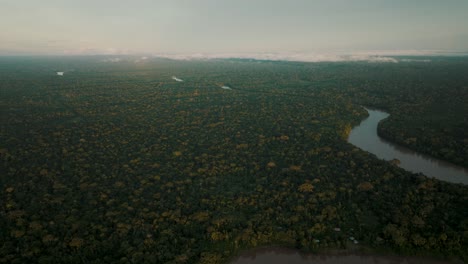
{"x":365,"y":137}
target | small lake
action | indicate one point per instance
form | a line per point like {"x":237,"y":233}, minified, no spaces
{"x":365,"y":137}
{"x":289,"y":256}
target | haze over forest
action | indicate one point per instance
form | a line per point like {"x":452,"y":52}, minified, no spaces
{"x":298,"y":28}
{"x":203,"y":131}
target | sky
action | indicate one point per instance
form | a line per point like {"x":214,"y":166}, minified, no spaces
{"x":71,"y":27}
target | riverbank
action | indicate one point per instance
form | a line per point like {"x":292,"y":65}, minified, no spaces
{"x":365,"y":136}
{"x":279,"y":255}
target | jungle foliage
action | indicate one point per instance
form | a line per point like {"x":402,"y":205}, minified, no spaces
{"x":119,"y":163}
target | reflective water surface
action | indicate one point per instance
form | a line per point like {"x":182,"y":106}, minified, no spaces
{"x":365,"y":137}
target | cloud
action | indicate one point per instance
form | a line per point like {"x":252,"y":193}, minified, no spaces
{"x":142,"y":59}
{"x":378,"y":59}
{"x":97,"y":51}
{"x":304,"y":57}
{"x":112,"y":60}
{"x":378,"y":56}
{"x":415,"y":60}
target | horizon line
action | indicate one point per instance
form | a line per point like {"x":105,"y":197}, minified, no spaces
{"x":382,"y":56}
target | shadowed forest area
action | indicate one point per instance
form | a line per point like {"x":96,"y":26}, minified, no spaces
{"x":117,"y":162}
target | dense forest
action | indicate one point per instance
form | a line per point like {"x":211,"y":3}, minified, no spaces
{"x":118,"y":162}
{"x":428,"y":104}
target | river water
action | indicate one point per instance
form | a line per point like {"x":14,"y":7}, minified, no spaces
{"x":365,"y":137}
{"x":289,"y":256}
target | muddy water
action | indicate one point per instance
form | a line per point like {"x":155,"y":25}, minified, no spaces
{"x":365,"y":137}
{"x":288,"y":256}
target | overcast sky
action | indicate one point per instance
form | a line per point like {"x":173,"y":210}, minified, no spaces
{"x":230,"y":26}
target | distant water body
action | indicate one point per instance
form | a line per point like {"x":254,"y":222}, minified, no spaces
{"x":177,"y":79}
{"x":365,"y":137}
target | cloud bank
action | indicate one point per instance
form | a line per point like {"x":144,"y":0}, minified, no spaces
{"x":112,"y":60}
{"x":368,"y":56}
{"x":142,"y":59}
